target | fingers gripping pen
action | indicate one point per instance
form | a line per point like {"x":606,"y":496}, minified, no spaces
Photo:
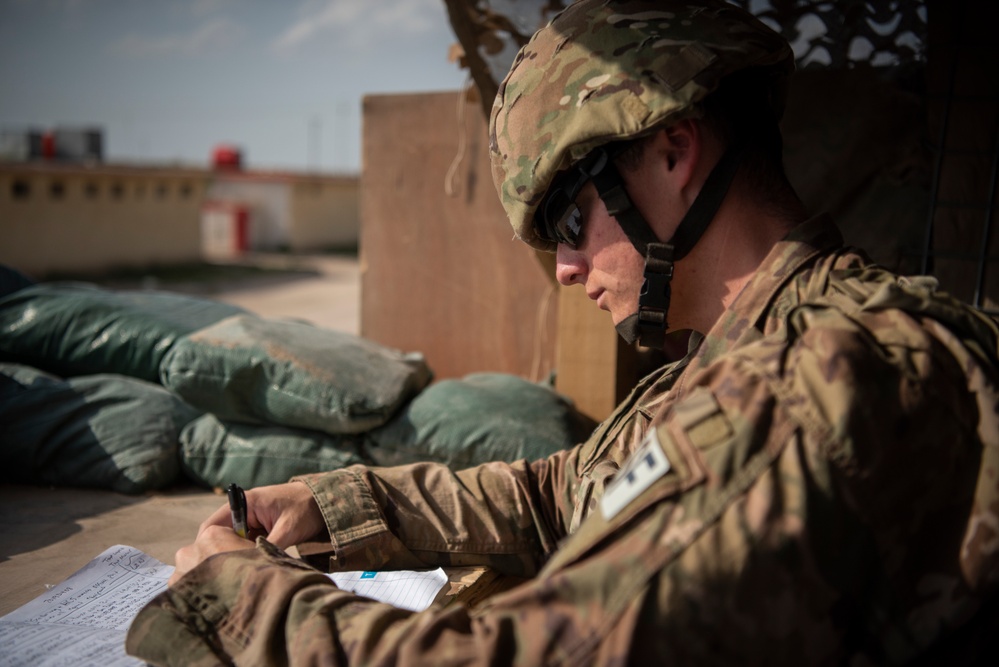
{"x":237,"y":505}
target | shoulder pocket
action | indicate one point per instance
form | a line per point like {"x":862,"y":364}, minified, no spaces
{"x":701,"y":419}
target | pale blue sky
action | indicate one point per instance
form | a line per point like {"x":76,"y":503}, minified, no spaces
{"x":169,"y":79}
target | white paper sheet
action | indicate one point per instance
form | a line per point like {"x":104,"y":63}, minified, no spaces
{"x":413,"y":590}
{"x":83,"y":621}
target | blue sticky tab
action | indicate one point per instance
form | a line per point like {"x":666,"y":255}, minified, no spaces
{"x":368,"y":575}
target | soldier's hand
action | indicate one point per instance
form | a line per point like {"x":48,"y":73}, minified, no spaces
{"x":212,"y":540}
{"x":285,"y":514}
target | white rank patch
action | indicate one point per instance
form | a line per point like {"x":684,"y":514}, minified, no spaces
{"x":645,"y":465}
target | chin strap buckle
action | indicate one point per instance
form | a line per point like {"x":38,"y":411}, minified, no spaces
{"x":653,"y":302}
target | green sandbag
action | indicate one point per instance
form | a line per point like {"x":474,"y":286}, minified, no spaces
{"x":100,"y":431}
{"x":12,"y":280}
{"x":217,"y":454}
{"x":250,"y":369}
{"x":482,"y":417}
{"x":72,"y":329}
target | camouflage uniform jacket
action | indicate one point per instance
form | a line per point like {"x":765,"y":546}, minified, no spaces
{"x":830,"y":495}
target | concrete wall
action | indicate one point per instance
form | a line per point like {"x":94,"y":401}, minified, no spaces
{"x":62,"y":218}
{"x":325,"y":214}
{"x":268,"y":201}
{"x":298,"y":213}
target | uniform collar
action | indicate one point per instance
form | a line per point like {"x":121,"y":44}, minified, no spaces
{"x":744,"y":320}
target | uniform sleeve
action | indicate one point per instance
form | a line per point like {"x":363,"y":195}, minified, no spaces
{"x":258,"y":606}
{"x":508,"y":516}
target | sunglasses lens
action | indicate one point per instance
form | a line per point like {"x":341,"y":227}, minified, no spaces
{"x":559,"y":220}
{"x":569,"y":226}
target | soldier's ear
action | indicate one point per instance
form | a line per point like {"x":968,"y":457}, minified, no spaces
{"x":681,"y":148}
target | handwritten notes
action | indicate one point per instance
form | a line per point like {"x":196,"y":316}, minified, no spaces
{"x":83,"y":621}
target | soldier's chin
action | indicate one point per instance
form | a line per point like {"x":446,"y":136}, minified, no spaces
{"x":627,"y":328}
{"x":618,"y":316}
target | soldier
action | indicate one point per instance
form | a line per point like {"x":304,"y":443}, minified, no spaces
{"x":815,"y":482}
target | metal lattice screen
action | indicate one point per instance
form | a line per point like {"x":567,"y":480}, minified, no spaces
{"x":836,"y":34}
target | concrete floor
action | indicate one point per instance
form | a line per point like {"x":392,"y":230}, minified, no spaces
{"x":47,"y":534}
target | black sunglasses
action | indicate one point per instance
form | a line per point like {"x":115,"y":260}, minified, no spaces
{"x":558,"y":218}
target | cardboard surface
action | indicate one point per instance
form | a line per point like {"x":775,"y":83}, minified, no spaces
{"x":441,"y":271}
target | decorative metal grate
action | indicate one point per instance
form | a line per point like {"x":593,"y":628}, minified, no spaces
{"x":846,"y":33}
{"x":839,"y":34}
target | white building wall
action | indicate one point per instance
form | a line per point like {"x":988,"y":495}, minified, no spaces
{"x":269,"y":204}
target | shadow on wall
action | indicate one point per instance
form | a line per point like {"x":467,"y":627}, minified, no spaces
{"x":855,"y":147}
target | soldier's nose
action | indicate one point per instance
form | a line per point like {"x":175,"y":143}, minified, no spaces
{"x":570,"y":266}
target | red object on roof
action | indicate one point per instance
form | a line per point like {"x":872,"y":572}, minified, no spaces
{"x":226,"y":157}
{"x":48,"y":146}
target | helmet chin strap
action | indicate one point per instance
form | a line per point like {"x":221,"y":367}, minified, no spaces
{"x":648,"y":325}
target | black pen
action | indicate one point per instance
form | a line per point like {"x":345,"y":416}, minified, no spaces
{"x":237,"y":505}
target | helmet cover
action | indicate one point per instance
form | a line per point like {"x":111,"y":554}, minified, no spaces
{"x":606,"y":71}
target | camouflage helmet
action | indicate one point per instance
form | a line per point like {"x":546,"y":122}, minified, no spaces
{"x":605,"y":71}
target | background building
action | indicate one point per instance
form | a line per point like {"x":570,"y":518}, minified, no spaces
{"x":66,"y":211}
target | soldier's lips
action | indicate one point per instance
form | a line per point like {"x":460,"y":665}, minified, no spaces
{"x":598,"y":297}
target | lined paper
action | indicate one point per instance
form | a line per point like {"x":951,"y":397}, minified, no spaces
{"x":83,"y":621}
{"x":407,"y":589}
